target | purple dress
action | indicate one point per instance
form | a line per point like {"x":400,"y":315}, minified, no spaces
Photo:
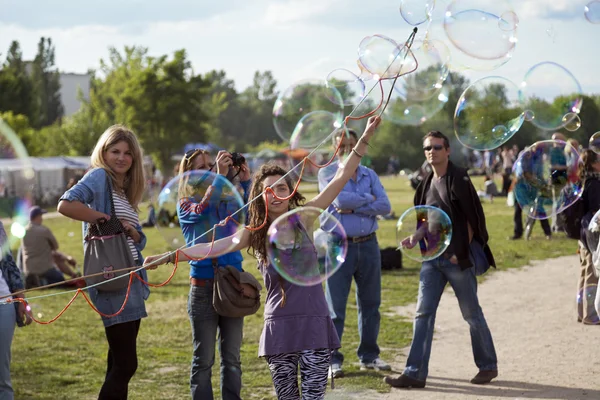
{"x":302,"y":323}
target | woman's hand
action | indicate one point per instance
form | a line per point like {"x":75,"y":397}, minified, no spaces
{"x":223,"y":162}
{"x":23,"y":314}
{"x":372,"y":125}
{"x":131,"y":231}
{"x":152,"y":262}
{"x":244,"y":174}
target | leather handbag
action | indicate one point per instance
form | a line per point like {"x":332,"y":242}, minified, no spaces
{"x":235,"y":293}
{"x":106,"y":251}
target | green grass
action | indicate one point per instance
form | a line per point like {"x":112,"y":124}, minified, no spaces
{"x":66,"y":360}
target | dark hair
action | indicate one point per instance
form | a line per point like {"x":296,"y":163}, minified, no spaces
{"x":344,"y":131}
{"x":586,"y":165}
{"x":438,"y":135}
{"x":257,"y":209}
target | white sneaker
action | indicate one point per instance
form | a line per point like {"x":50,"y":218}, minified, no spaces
{"x":336,"y":371}
{"x":377,"y":364}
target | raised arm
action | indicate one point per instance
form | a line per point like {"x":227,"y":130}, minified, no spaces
{"x":331,"y":191}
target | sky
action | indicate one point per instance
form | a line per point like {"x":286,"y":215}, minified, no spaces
{"x":295,"y":39}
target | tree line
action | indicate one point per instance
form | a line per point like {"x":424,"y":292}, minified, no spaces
{"x":169,"y":105}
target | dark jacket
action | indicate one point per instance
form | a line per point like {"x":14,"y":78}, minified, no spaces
{"x":464,"y":207}
{"x":591,"y":203}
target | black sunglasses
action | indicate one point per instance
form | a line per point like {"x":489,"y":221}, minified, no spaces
{"x":436,"y":147}
{"x":192,"y":153}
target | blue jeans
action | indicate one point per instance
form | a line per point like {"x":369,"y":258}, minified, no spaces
{"x":7,"y":329}
{"x":363,"y":263}
{"x":433,"y":278}
{"x":205,"y":322}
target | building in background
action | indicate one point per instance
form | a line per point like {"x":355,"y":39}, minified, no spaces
{"x":70,"y":84}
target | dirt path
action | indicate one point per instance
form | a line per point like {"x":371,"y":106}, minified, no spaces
{"x":543,"y":352}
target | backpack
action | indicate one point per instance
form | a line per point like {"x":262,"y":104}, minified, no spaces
{"x":391,"y":258}
{"x":569,"y":220}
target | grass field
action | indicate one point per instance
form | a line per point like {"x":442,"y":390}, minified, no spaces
{"x":66,"y":360}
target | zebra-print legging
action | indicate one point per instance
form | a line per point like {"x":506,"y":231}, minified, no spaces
{"x":314,"y":366}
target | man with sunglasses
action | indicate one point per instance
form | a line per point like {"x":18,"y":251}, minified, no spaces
{"x":357,"y":207}
{"x":449,"y":188}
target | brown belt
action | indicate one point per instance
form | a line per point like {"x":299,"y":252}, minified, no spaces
{"x":360,"y":239}
{"x":201,"y":282}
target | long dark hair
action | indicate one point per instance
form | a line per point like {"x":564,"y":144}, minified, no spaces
{"x":586,"y":165}
{"x":257,"y":208}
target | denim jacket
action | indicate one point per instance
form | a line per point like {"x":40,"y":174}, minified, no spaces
{"x":91,"y":190}
{"x":8,"y":268}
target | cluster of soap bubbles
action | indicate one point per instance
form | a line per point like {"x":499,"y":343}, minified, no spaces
{"x":413,"y":81}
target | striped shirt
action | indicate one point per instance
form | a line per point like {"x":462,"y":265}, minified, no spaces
{"x":126,"y":213}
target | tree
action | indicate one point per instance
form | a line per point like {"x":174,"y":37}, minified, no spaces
{"x":16,"y":94}
{"x":257,"y":103}
{"x":160,"y":99}
{"x":47,"y":106}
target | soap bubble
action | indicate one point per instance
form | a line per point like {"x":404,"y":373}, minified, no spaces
{"x":571,"y":122}
{"x":483,"y":31}
{"x":423,"y":233}
{"x":306,"y":245}
{"x":194,"y":202}
{"x":416,"y":12}
{"x":592,"y":12}
{"x":350,"y":87}
{"x":550,"y":92}
{"x":595,"y":142}
{"x":313,"y":128}
{"x":300,"y":99}
{"x":488,"y":113}
{"x":383,"y":57}
{"x":546,"y":180}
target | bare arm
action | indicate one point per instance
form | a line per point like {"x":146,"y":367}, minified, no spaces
{"x":79,"y":211}
{"x":235,"y":242}
{"x":333,"y":189}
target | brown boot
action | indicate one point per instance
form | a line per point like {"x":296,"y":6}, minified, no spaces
{"x":484,"y":377}
{"x":404,"y":381}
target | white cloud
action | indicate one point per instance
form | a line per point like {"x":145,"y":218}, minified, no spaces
{"x":556,"y":9}
{"x":296,"y":10}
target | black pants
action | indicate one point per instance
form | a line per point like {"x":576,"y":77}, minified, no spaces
{"x":122,"y":360}
{"x":518,"y":220}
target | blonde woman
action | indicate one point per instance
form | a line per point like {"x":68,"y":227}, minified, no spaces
{"x":117,"y":158}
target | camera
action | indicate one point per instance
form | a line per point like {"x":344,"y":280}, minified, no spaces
{"x":237,"y":159}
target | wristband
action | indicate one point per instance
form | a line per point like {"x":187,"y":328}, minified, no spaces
{"x":357,"y":153}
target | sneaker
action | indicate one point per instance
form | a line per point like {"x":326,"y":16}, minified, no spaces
{"x":404,"y":381}
{"x":377,"y":364}
{"x":336,"y":371}
{"x":484,"y":377}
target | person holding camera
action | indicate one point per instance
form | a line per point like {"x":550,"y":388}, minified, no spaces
{"x":196,"y":216}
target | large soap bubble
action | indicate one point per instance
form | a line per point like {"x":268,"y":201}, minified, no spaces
{"x":306,"y":245}
{"x":483,"y":30}
{"x":194,"y":202}
{"x":302,"y":98}
{"x":488,"y":113}
{"x":546,"y":181}
{"x":550,"y":92}
{"x":423,"y":232}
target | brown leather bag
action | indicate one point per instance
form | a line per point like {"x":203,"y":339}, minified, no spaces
{"x":236,"y":293}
